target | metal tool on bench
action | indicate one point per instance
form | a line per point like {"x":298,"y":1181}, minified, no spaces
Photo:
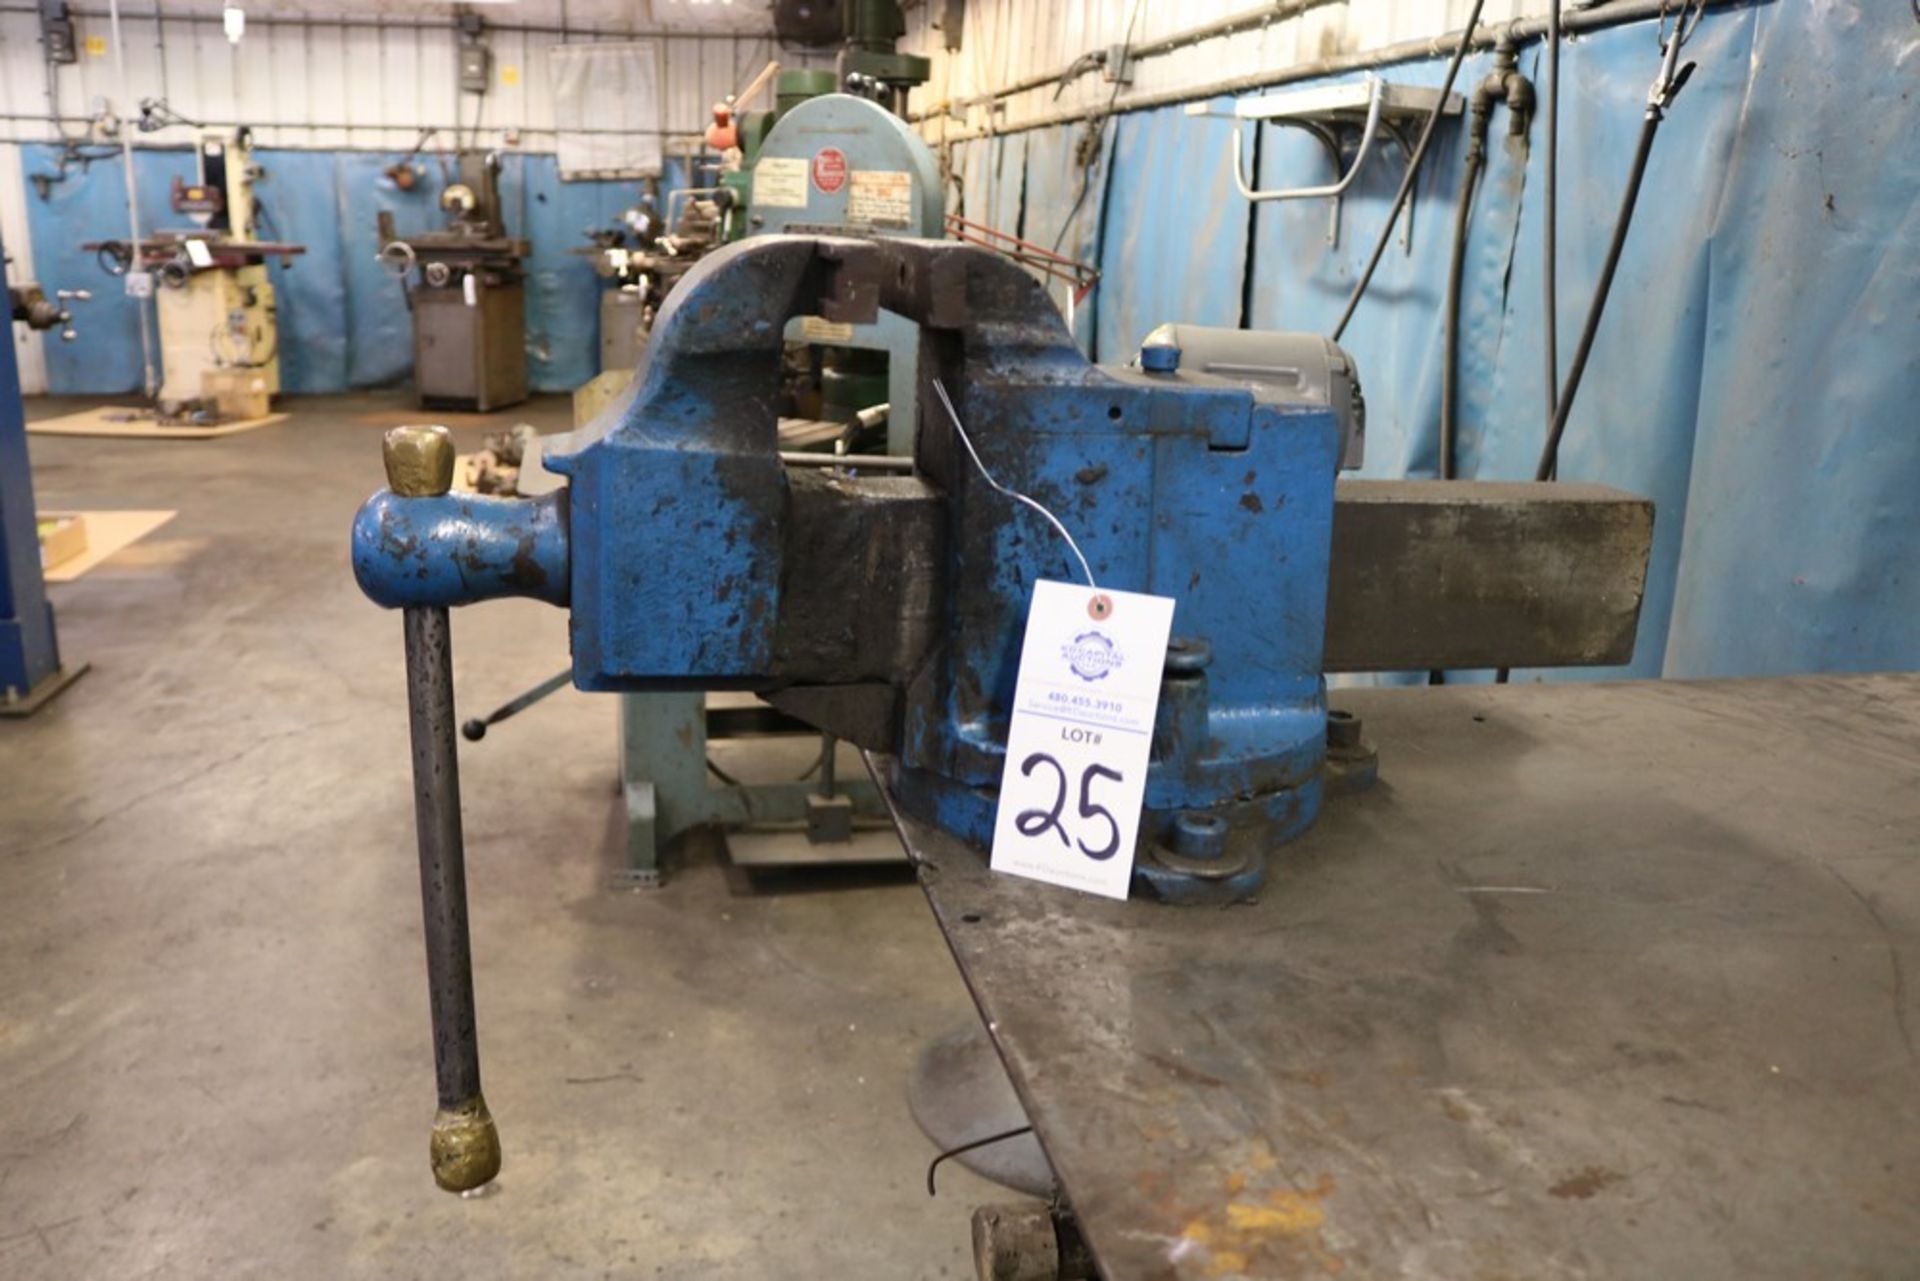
{"x":469,"y":302}
{"x":888,"y":609}
{"x":219,"y":323}
{"x":644,"y":254}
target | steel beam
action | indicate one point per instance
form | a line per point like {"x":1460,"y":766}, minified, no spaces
{"x":1471,"y":574}
{"x":30,"y":667}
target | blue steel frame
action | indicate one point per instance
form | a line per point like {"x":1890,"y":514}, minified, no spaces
{"x":663,"y":737}
{"x":30,"y":670}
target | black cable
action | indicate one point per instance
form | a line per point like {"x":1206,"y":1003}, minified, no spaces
{"x":1667,"y":84}
{"x":950,"y":1153}
{"x":1080,"y":198}
{"x":1550,"y":257}
{"x":1549,"y":248}
{"x":1413,"y":171}
{"x":1456,"y":268}
{"x":1481,"y":117}
{"x":1666,"y":87}
{"x":1097,"y":125}
{"x":1550,"y":454}
{"x":263,"y":218}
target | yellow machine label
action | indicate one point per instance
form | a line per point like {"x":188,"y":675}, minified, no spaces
{"x":780,"y":182}
{"x":881,"y":198}
{"x":814,"y":329}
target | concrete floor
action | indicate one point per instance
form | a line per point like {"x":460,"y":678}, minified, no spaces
{"x":214,"y":1058}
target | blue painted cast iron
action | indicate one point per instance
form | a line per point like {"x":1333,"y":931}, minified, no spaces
{"x":690,"y":554}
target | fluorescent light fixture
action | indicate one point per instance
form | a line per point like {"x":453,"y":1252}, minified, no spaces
{"x":233,"y":21}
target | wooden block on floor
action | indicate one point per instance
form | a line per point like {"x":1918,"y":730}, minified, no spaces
{"x":63,"y":536}
{"x":107,"y":533}
{"x":120,"y":423}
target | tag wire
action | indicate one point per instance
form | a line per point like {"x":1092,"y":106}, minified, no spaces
{"x":940,"y":390}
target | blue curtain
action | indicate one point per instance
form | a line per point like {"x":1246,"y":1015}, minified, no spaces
{"x":1174,"y":239}
{"x":343,"y":319}
{"x":1758,"y":368}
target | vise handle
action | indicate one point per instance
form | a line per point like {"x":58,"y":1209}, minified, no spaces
{"x":465,"y":1145}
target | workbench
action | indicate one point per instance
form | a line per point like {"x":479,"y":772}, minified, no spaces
{"x":1598,"y":980}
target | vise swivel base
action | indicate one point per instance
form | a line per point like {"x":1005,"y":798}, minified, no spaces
{"x":888,"y":609}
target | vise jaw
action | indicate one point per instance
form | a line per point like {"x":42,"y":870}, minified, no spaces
{"x":889,"y":609}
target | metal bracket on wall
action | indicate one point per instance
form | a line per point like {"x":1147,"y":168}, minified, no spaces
{"x":1361,"y":110}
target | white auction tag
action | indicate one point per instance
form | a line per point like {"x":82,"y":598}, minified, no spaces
{"x":1083,"y":708}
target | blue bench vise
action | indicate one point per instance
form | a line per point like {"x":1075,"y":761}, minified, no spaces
{"x":888,"y":608}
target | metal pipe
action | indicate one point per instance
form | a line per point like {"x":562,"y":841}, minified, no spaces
{"x":871,"y":462}
{"x":1503,"y":83}
{"x":356,"y":148}
{"x":828,"y":744}
{"x":1412,"y":172}
{"x":1549,"y":248}
{"x":1576,"y":22}
{"x":147,"y":382}
{"x":465,"y":1145}
{"x":694,"y":131}
{"x":1549,"y":466}
{"x":1456,"y":269}
{"x":415,"y":24}
{"x":1232,"y":24}
{"x":476,"y":729}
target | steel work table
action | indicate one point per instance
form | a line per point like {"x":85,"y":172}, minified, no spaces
{"x":1599,"y":980}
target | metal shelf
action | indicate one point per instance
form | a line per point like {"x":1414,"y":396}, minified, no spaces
{"x":1330,"y":113}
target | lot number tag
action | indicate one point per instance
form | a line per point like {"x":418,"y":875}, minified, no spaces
{"x":1083,"y":708}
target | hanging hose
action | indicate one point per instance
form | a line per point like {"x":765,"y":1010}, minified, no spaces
{"x":1449,"y":374}
{"x":1549,"y":252}
{"x":1550,"y":456}
{"x":1666,"y":87}
{"x":1502,"y":83}
{"x":1656,"y":110}
{"x":1449,"y":362}
{"x":1549,"y":240}
{"x":1413,"y":171}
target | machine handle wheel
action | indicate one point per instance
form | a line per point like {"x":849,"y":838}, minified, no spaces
{"x":397,"y":256}
{"x":115,"y":257}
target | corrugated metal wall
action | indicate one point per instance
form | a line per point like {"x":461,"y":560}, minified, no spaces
{"x":362,"y":76}
{"x":1755,"y":373}
{"x":368,"y":81}
{"x":1008,"y":41}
